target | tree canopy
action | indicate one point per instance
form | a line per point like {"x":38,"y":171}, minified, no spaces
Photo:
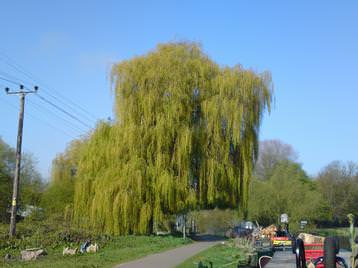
{"x":271,"y":153}
{"x":58,"y":197}
{"x":6,"y":162}
{"x":185,"y":137}
{"x":31,"y":185}
{"x":338,"y":183}
{"x":287,"y":190}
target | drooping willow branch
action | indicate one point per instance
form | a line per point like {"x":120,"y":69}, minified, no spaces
{"x":185,"y":137}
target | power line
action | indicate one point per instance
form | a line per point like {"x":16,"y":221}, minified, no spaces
{"x":13,"y":78}
{"x":53,"y":104}
{"x":68,"y":106}
{"x":39,"y":119}
{"x":63,"y":111}
{"x":53,"y":127}
{"x":39,"y":107}
{"x":2,"y":86}
{"x":42,"y":108}
{"x":29,"y":75}
{"x":10,"y":81}
{"x":13,"y":81}
{"x":10,"y":104}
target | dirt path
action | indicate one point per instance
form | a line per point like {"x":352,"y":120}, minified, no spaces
{"x":170,"y":258}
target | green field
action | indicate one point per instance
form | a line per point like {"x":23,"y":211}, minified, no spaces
{"x":115,"y":251}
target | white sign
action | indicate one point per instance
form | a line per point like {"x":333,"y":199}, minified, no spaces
{"x":284,"y":218}
{"x":303,"y":224}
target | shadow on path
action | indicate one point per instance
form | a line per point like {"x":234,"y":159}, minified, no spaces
{"x":208,"y":237}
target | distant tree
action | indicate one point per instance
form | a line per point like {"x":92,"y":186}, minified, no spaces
{"x":185,"y":137}
{"x":288,"y":190}
{"x":338,"y":183}
{"x":6,"y":164}
{"x":31,"y":184}
{"x":59,"y":194}
{"x":272,"y":152}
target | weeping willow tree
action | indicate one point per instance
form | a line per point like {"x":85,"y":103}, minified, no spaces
{"x":185,"y":137}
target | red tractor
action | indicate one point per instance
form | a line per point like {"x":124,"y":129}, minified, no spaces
{"x":319,"y":255}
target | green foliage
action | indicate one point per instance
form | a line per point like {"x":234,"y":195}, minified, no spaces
{"x":59,"y":194}
{"x":48,"y":233}
{"x":31,"y":185}
{"x":215,"y":221}
{"x":6,"y":160}
{"x":338,"y":184}
{"x":289,"y":190}
{"x":185,"y":137}
{"x":272,"y":152}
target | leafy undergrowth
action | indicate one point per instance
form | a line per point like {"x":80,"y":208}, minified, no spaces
{"x":112,"y":250}
{"x":340,"y":231}
{"x":223,"y":255}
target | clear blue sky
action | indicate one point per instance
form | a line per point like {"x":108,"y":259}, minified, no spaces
{"x":311,"y":48}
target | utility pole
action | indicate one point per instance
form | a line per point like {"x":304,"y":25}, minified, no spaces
{"x":15,"y":191}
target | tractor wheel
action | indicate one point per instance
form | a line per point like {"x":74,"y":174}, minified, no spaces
{"x":330,"y":252}
{"x":300,"y":254}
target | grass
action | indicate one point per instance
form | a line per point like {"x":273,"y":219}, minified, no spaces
{"x":118,"y":250}
{"x":222,"y":255}
{"x":112,"y":250}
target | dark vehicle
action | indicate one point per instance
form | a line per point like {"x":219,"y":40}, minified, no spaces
{"x":244,"y":229}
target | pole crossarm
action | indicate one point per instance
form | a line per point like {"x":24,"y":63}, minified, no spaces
{"x":21,"y":91}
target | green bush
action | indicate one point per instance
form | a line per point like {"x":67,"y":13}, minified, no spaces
{"x":215,"y":221}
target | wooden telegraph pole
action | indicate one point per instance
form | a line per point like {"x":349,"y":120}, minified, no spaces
{"x":14,"y":204}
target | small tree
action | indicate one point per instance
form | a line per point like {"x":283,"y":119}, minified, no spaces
{"x":59,"y":194}
{"x":338,"y":183}
{"x":6,"y":162}
{"x":31,"y":184}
